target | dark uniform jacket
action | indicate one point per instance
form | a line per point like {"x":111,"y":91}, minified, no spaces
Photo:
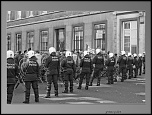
{"x":53,"y":64}
{"x":135,"y":62}
{"x":86,"y":64}
{"x":140,"y":61}
{"x":144,"y":59}
{"x":129,"y":61}
{"x":110,"y":62}
{"x":68,"y":64}
{"x":31,"y":69}
{"x":18,"y":58}
{"x":98,"y":60}
{"x":122,"y":61}
{"x":12,"y":71}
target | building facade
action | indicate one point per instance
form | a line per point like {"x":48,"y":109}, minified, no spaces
{"x":75,"y":30}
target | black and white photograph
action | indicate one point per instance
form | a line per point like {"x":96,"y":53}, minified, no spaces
{"x":76,"y":58}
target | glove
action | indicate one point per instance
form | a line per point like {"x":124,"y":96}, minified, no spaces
{"x":94,"y":65}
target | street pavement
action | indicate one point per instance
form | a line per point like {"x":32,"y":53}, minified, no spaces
{"x":131,"y":91}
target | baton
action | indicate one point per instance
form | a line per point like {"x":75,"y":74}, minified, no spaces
{"x":17,"y":84}
{"x":40,"y":80}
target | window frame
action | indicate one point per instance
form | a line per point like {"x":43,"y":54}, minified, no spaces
{"x":10,"y":42}
{"x":18,"y":15}
{"x":54,"y":36}
{"x":94,"y":33}
{"x":73,"y":36}
{"x":121,"y":32}
{"x":9,"y":15}
{"x":31,"y":13}
{"x":40,"y":39}
{"x":16,"y":41}
{"x":130,"y":29}
{"x":27,"y":44}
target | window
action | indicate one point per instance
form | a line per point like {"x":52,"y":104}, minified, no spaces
{"x":44,"y":41}
{"x":23,"y":14}
{"x":78,"y":38}
{"x":18,"y":42}
{"x":18,"y":15}
{"x":130,"y":36}
{"x":99,"y":36}
{"x":30,"y":40}
{"x":35,"y":13}
{"x":44,"y":12}
{"x":30,"y":13}
{"x":60,"y":39}
{"x":8,"y":15}
{"x":8,"y":42}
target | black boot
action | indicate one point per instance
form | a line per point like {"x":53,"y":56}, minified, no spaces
{"x":26,"y":101}
{"x":122,"y":80}
{"x":111,"y":81}
{"x":48,"y":95}
{"x":79,"y":87}
{"x":37,"y":100}
{"x":71,"y":91}
{"x":65,"y":91}
{"x":56,"y":93}
{"x":8,"y":102}
{"x":86,"y":88}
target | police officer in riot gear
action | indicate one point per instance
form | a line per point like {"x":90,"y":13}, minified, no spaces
{"x":87,"y":68}
{"x":12,"y":73}
{"x":110,"y":63}
{"x":98,"y":62}
{"x":53,"y":64}
{"x":140,"y":61}
{"x":18,"y":57}
{"x":69,"y":69}
{"x":31,"y":70}
{"x":135,"y":65}
{"x":122,"y":61}
{"x":130,"y":65}
{"x":144,"y":62}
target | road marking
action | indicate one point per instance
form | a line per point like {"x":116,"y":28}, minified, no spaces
{"x":62,"y":98}
{"x":89,"y":98}
{"x":130,"y":80}
{"x":80,"y":103}
{"x":72,"y":98}
{"x":140,"y":83}
{"x":139,"y":79}
{"x":106,"y":101}
{"x":142,"y":94}
{"x":82,"y":99}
